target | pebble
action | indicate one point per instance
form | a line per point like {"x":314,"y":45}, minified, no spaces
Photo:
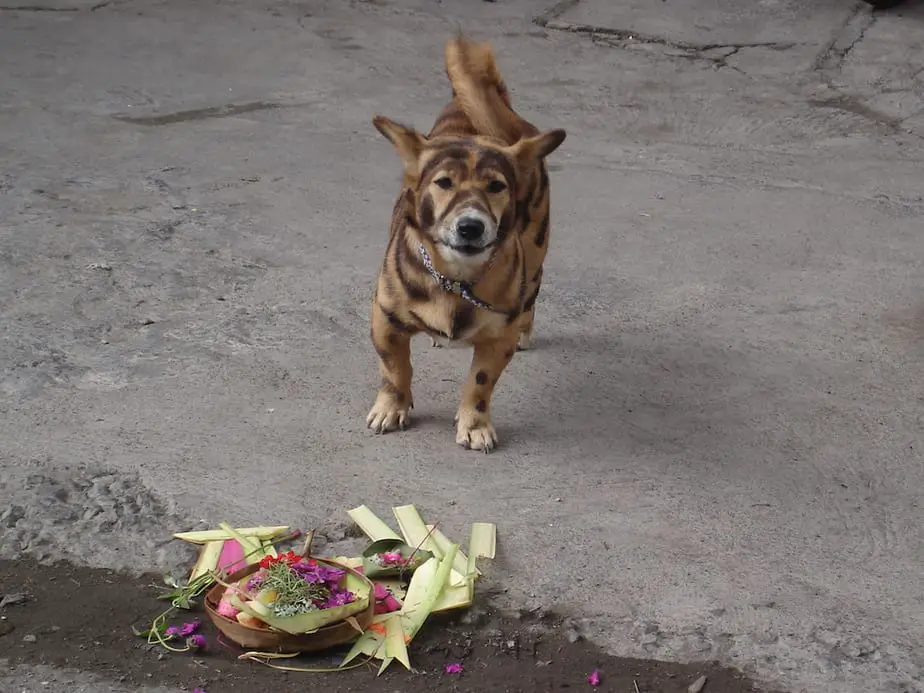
{"x":12,"y":515}
{"x":697,"y":685}
{"x":573,"y":636}
{"x":14,"y":598}
{"x":29,"y":638}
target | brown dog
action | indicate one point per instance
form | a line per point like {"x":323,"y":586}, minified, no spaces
{"x":469,"y":234}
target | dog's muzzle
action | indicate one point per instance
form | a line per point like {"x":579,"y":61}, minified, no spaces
{"x":472,"y":232}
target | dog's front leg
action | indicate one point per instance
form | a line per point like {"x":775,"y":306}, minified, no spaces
{"x":392,"y":340}
{"x":474,"y":429}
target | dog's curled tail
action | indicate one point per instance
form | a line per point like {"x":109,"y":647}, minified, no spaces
{"x":480,"y":92}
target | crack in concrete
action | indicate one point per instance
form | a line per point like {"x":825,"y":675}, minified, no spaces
{"x":42,"y":8}
{"x":618,"y":38}
{"x":627,"y":35}
{"x":845,"y":39}
{"x":224,"y":111}
{"x":832,"y":58}
{"x":194,"y":114}
{"x":554,"y":12}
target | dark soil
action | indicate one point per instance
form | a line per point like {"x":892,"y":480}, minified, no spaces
{"x":81,"y":618}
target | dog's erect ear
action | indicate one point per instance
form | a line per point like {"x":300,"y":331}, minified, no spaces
{"x":407,"y":141}
{"x":537,"y":147}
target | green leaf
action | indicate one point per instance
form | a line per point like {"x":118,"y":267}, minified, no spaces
{"x":159,"y":628}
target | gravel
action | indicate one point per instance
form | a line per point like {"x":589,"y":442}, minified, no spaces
{"x":92,"y":517}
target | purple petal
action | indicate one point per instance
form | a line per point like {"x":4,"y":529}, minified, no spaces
{"x":189,"y":628}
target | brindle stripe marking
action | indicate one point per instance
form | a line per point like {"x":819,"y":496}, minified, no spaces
{"x":394,"y":320}
{"x":440,"y":157}
{"x":516,"y":312}
{"x":488,"y":159}
{"x":531,"y":301}
{"x":414,"y":291}
{"x":426,"y":211}
{"x":452,"y":119}
{"x":543,"y":231}
{"x":523,"y":282}
{"x":504,"y":226}
{"x":523,"y":214}
{"x":462,"y":319}
{"x":403,"y":207}
{"x":514,"y":266}
{"x":426,"y":327}
{"x":530,"y":193}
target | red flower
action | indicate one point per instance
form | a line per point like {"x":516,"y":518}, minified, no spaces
{"x":289,"y":557}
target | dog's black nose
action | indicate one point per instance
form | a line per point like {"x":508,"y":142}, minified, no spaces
{"x":470,"y":228}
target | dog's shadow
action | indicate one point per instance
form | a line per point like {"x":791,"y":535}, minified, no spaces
{"x":626,"y":392}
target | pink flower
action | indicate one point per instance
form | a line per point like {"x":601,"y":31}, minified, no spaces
{"x":196,"y":642}
{"x":594,"y":678}
{"x":455,"y":668}
{"x":226,"y":610}
{"x":198,"y":689}
{"x":385,"y":601}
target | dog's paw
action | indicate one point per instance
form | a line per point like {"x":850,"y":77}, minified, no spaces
{"x":387,"y":414}
{"x":475,"y":432}
{"x":435,"y":343}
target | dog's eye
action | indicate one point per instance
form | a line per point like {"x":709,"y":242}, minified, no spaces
{"x":496,"y":186}
{"x":445,"y":182}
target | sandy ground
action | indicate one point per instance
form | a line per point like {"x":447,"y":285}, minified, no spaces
{"x":714,"y":450}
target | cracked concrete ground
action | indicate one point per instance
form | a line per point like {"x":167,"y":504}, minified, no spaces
{"x":714,"y":450}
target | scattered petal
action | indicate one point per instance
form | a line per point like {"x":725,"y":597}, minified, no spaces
{"x":594,"y":678}
{"x":454,"y":668}
{"x":188,"y":628}
{"x":198,"y":689}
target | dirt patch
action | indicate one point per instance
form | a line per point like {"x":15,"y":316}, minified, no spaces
{"x":82,"y":619}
